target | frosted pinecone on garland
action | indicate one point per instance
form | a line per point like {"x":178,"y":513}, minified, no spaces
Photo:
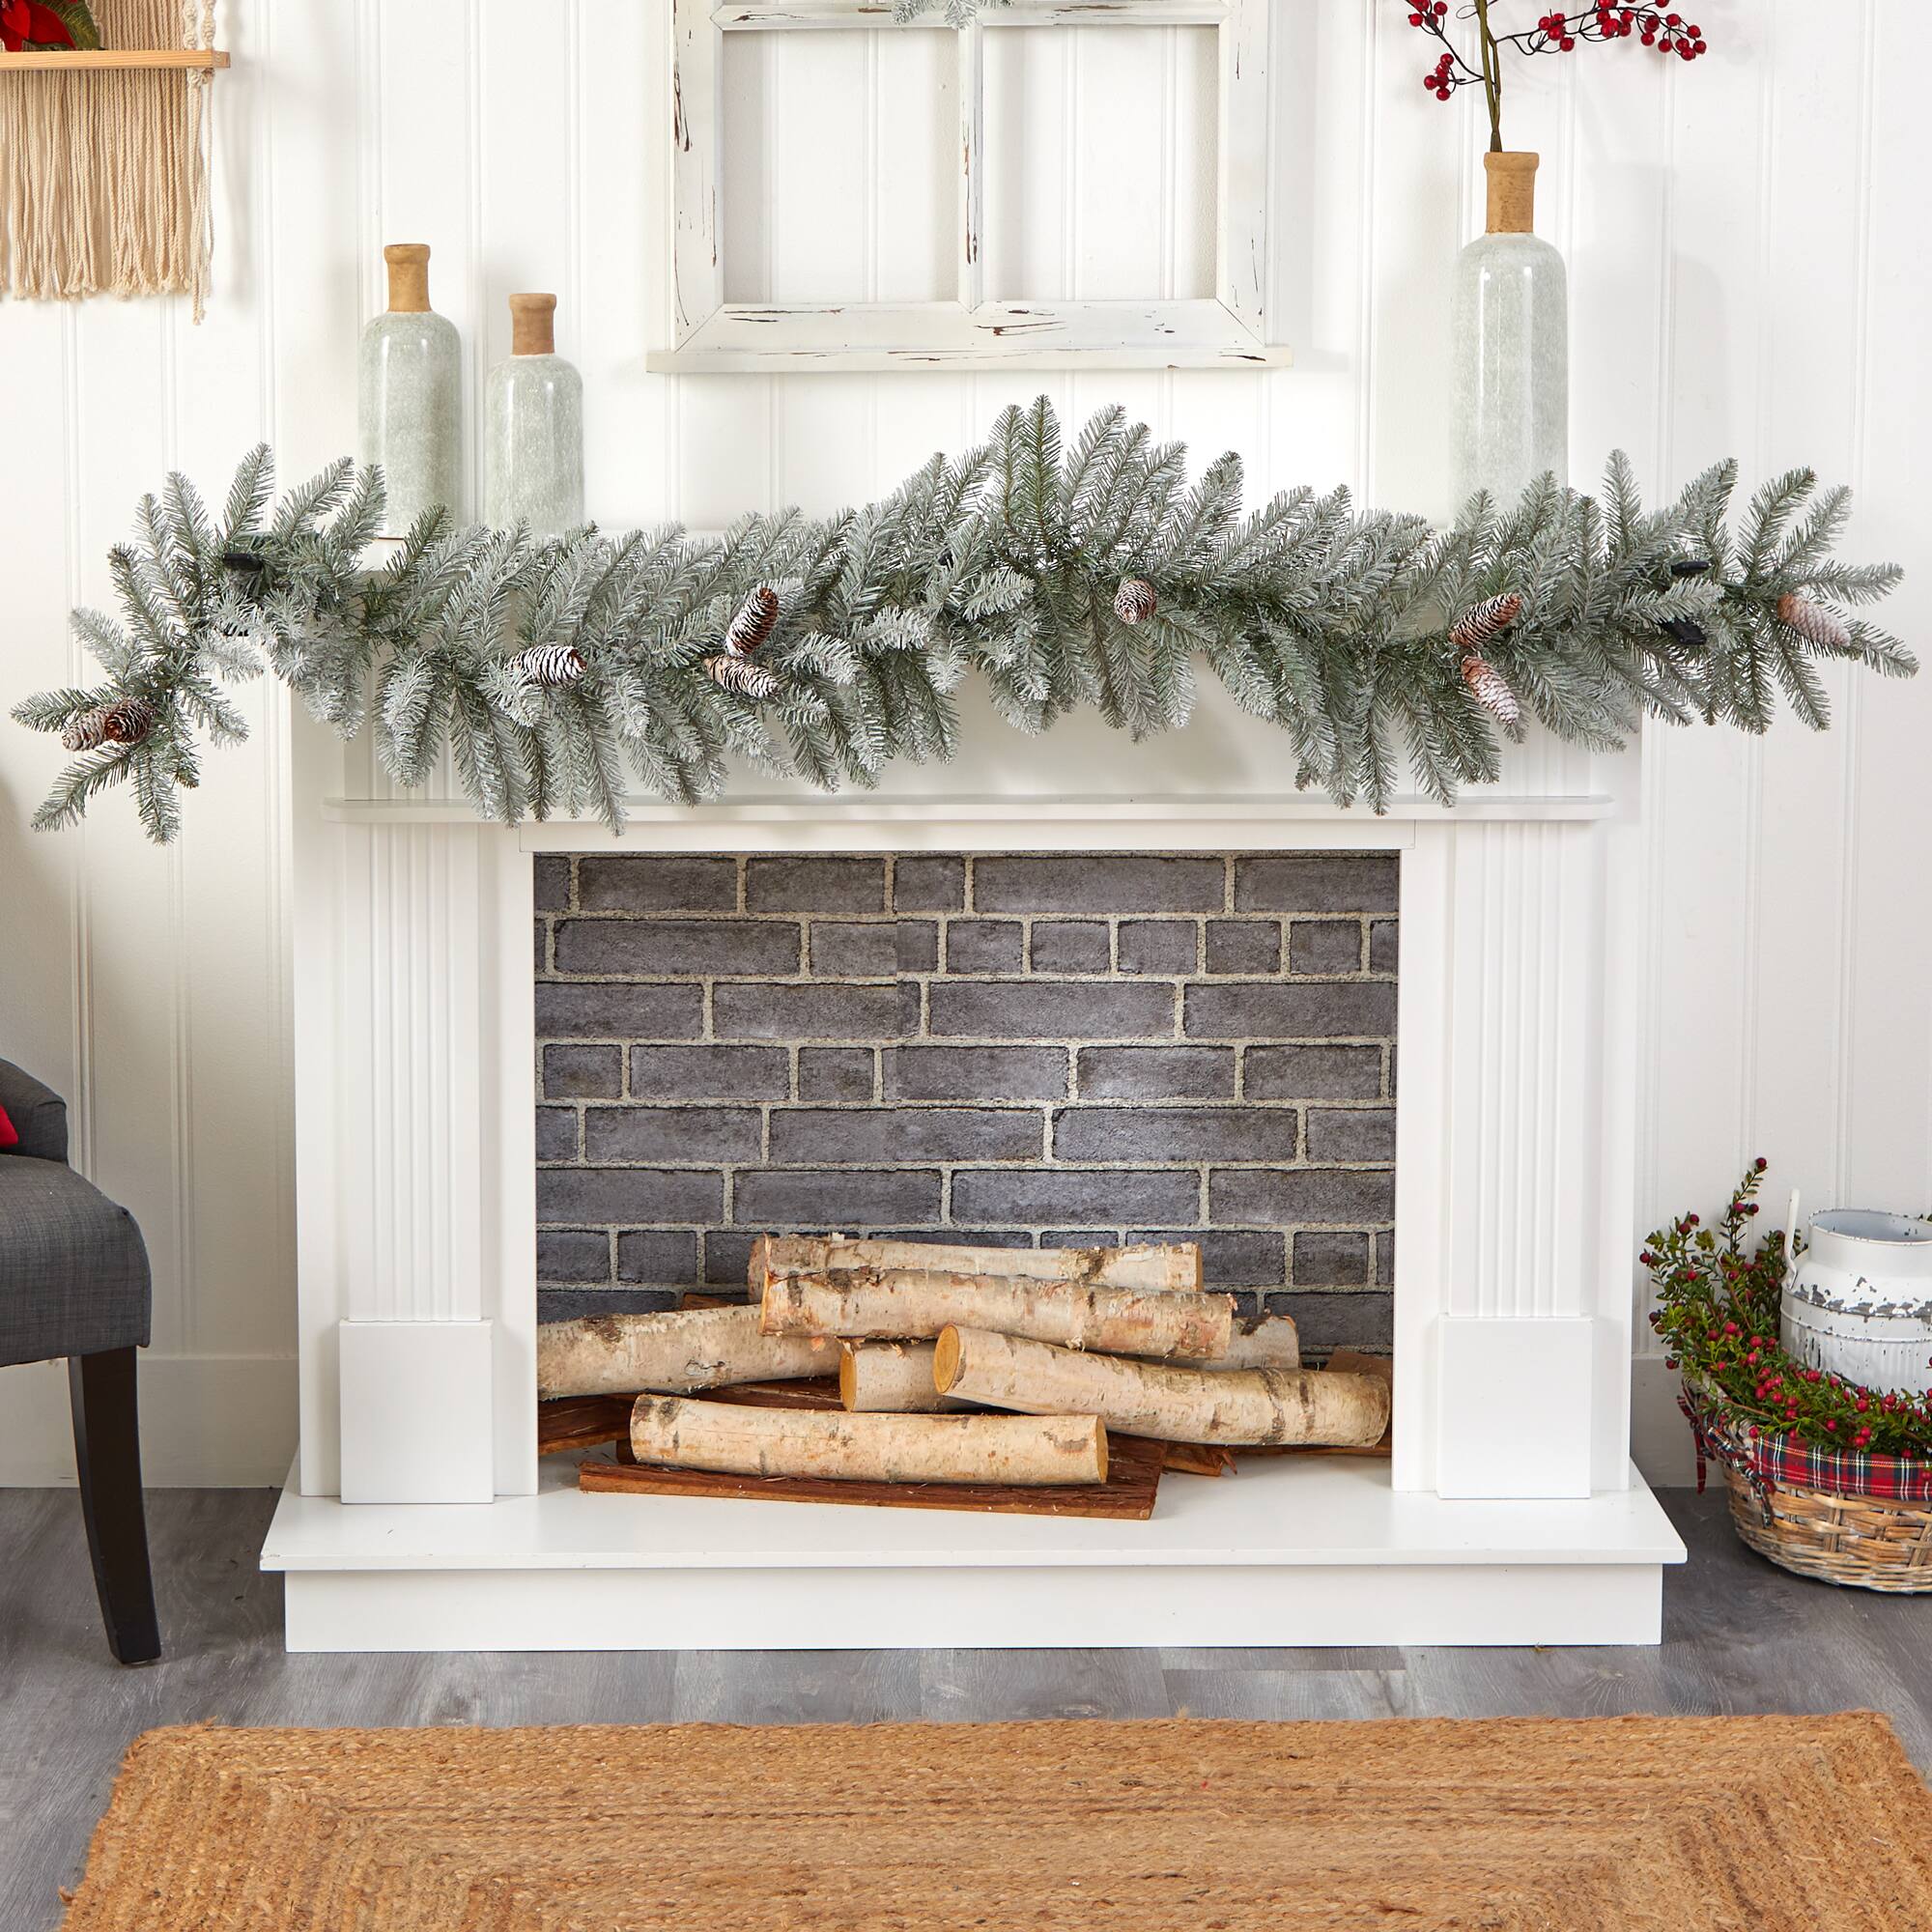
{"x":549,"y":665}
{"x":1135,"y":601}
{"x":1812,"y":622}
{"x":756,"y":616}
{"x":1490,"y":689}
{"x":742,"y":675}
{"x":1481,"y":622}
{"x":126,"y":721}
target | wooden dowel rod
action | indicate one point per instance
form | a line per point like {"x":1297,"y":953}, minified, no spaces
{"x":205,"y":60}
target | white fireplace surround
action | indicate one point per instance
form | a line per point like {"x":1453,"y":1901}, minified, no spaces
{"x":416,"y":1518}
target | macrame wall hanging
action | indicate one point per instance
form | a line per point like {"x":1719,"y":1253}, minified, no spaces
{"x":105,"y":156}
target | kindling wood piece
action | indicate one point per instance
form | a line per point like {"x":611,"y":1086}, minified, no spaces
{"x":682,"y":1349}
{"x":1180,"y":1405}
{"x":1176,"y":1266}
{"x":902,"y":1305}
{"x":1002,"y":1449}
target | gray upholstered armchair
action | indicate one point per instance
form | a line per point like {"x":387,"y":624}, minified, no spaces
{"x":74,"y":1282}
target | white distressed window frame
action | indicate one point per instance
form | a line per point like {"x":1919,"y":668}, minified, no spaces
{"x":1228,"y":329}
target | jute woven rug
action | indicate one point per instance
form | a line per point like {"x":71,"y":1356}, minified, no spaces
{"x":1618,"y":1825}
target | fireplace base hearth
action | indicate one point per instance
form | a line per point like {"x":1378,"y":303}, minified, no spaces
{"x":1318,"y":1551}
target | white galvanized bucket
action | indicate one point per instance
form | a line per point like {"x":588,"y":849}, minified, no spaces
{"x":1857,"y":1302}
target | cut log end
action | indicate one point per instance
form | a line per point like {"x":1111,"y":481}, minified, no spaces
{"x":946,"y":1360}
{"x":848,"y":1378}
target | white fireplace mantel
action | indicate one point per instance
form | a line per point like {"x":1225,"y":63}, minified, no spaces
{"x":1514,"y":1225}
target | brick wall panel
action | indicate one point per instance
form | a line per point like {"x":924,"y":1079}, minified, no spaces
{"x":1008,"y":1050}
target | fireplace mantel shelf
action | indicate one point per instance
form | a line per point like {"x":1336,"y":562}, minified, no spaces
{"x":823,"y":810}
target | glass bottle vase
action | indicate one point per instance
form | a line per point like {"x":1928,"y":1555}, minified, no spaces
{"x":534,"y":455}
{"x":1511,"y":324}
{"x":410,"y":396}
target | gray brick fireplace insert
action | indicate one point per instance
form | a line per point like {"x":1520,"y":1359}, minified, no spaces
{"x":1005,"y":1049}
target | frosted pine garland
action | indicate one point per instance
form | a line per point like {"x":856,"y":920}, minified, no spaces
{"x":1005,"y":564}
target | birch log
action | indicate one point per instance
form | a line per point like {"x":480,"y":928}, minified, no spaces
{"x":892,"y":1304}
{"x":1013,"y":1449}
{"x":891,"y":1379}
{"x":1230,"y":1406}
{"x":1261,"y":1342}
{"x":690,"y":1349}
{"x":1174,"y":1268}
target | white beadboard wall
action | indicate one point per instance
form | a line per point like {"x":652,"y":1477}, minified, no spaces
{"x":1747,"y":276}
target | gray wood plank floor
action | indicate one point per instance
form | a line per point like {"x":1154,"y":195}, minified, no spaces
{"x":1740,"y":1636}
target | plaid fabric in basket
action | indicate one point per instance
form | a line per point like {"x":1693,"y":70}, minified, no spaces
{"x":1772,"y":1462}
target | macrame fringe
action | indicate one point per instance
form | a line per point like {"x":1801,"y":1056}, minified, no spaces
{"x":104,"y":174}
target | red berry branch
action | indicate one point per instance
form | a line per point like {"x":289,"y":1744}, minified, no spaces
{"x":1554,"y":33}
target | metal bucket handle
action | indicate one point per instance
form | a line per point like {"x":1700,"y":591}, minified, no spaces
{"x":1791,"y":1242}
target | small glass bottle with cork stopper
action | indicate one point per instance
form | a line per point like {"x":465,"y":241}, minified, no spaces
{"x":534,"y":453}
{"x":410,"y":396}
{"x":1511,"y":324}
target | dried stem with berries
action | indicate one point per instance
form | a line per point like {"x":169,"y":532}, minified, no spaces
{"x":1554,"y":33}
{"x":1718,"y":1315}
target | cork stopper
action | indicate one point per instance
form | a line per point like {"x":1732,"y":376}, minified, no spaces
{"x":409,"y":277}
{"x":1512,"y":192}
{"x":532,"y":324}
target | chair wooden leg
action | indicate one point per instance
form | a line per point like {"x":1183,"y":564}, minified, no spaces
{"x":108,"y":1450}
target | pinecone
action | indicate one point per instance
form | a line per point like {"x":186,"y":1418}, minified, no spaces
{"x":1491,"y":690}
{"x":752,"y":624}
{"x":126,"y":721}
{"x":1814,"y":622}
{"x":1134,"y":602}
{"x":742,"y":675}
{"x":1481,"y":622}
{"x":548,"y":665}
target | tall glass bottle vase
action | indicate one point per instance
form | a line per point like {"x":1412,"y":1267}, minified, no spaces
{"x":534,"y":468}
{"x":408,"y":396}
{"x":1511,"y":319}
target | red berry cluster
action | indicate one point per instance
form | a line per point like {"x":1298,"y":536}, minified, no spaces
{"x":1554,"y":33}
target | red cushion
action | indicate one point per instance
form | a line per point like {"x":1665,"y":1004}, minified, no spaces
{"x":9,"y":1134}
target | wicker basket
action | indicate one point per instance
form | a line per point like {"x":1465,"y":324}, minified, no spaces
{"x":1865,"y":1542}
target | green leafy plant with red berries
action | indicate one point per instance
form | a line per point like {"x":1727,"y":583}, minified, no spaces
{"x":48,"y":27}
{"x":1556,"y":33}
{"x":1718,"y":1313}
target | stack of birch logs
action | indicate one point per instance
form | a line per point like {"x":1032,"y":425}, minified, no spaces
{"x":958,"y":1365}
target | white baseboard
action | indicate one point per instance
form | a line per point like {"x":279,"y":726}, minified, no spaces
{"x":214,"y":1422}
